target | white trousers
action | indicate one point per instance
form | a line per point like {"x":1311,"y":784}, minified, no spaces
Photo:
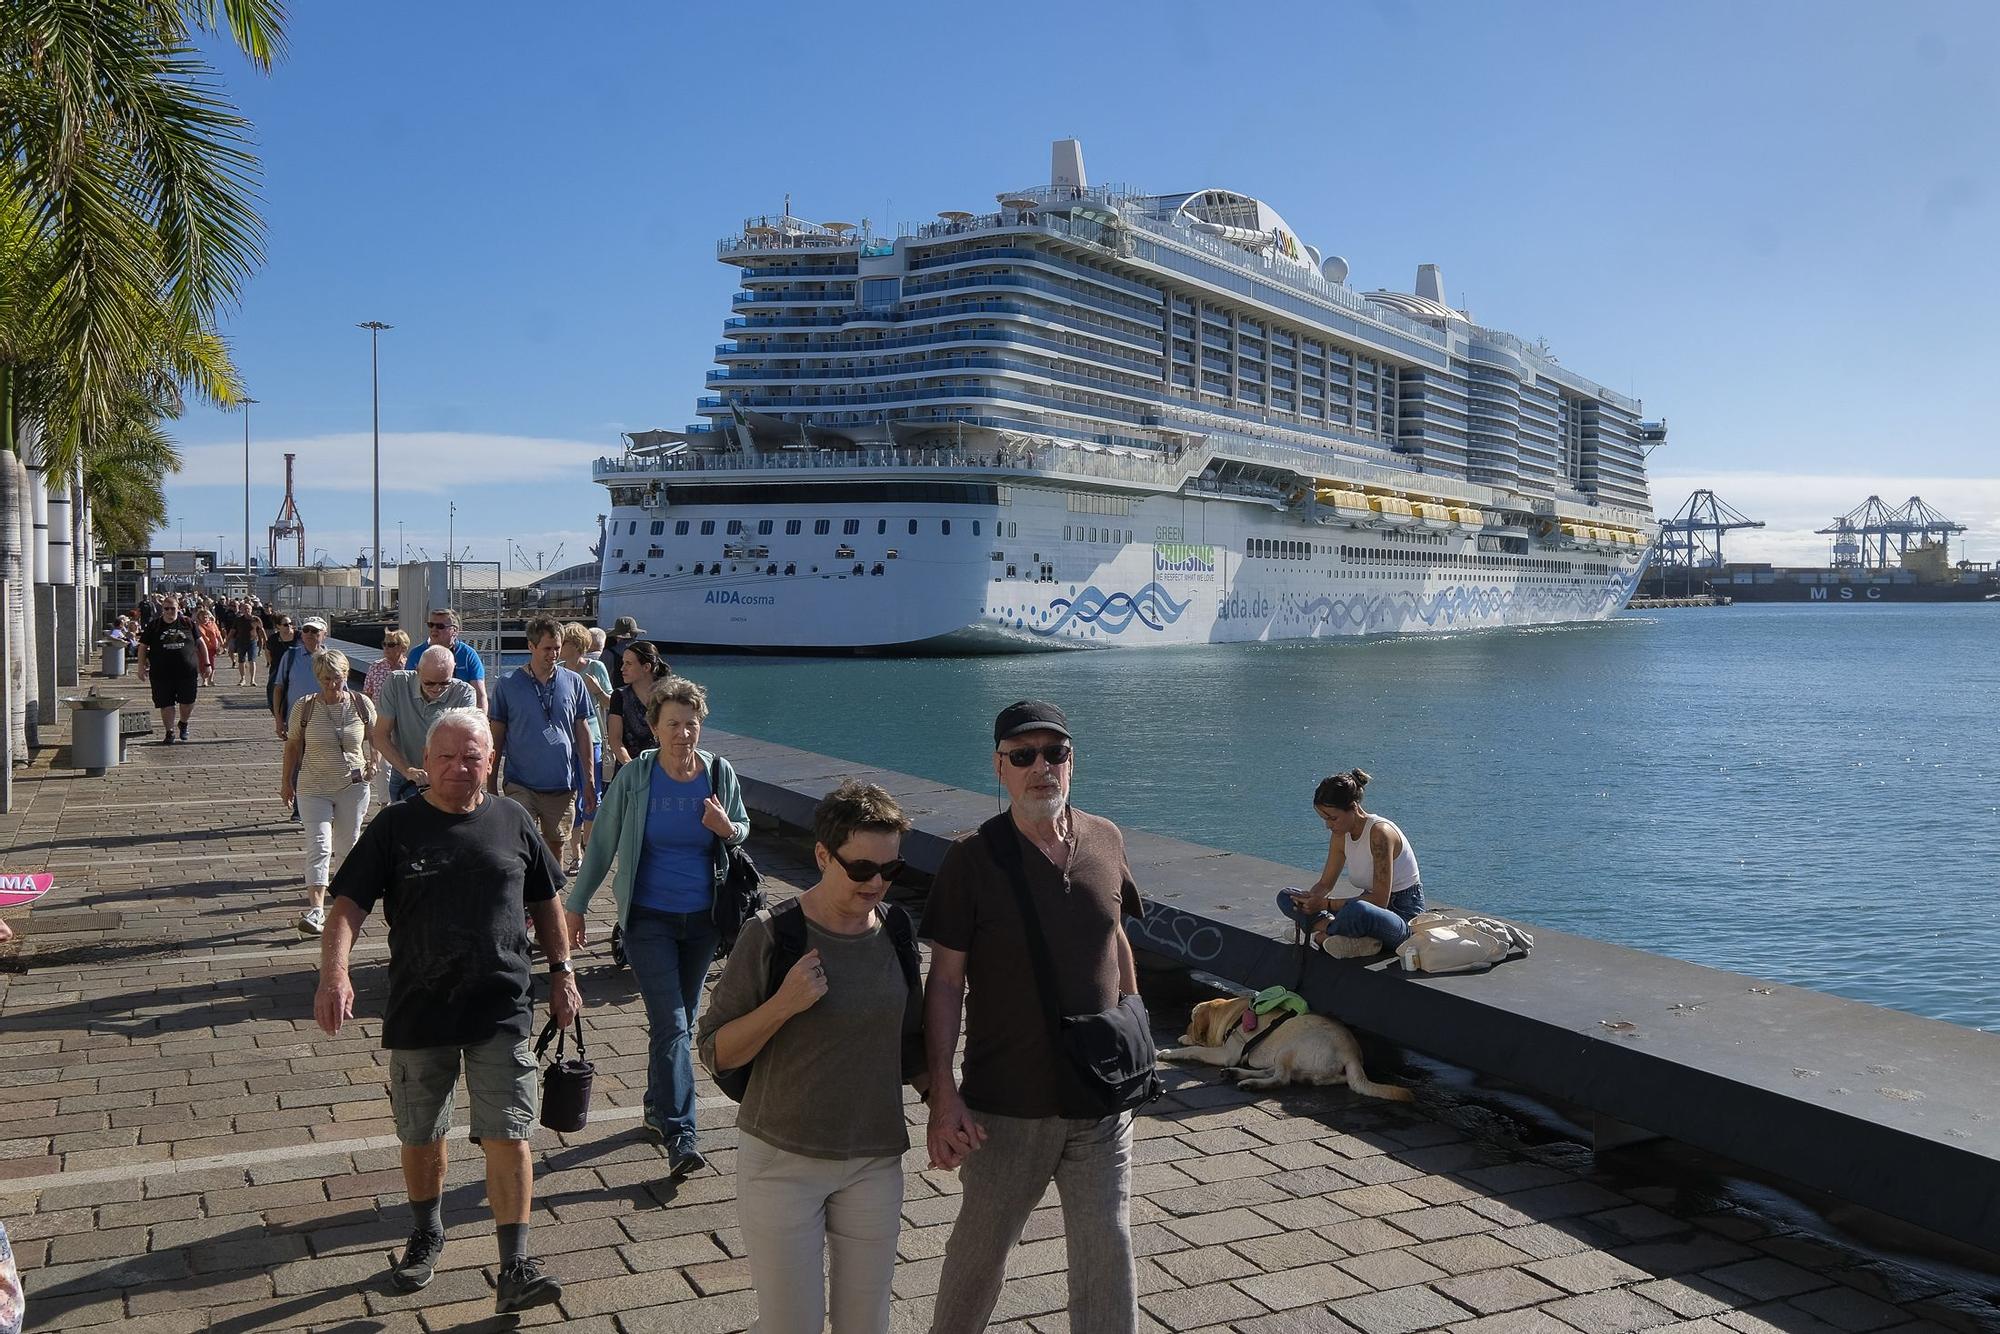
{"x":332,"y":824}
{"x":803,"y":1217}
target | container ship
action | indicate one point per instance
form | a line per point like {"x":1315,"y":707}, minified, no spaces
{"x":1094,"y":417}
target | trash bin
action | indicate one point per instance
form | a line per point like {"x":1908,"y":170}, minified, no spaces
{"x":114,"y":657}
{"x":93,"y":733}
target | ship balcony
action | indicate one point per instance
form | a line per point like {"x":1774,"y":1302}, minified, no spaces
{"x":791,"y":296}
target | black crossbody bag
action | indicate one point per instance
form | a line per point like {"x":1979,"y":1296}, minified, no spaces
{"x":1109,"y":1056}
{"x":738,"y":894}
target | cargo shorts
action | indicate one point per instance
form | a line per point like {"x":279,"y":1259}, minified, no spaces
{"x":499,"y":1076}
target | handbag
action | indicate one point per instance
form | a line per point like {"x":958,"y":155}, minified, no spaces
{"x":565,"y":1083}
{"x":1109,"y":1056}
{"x":738,"y":896}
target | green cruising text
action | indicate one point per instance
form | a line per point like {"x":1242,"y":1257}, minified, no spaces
{"x":1102,"y":418}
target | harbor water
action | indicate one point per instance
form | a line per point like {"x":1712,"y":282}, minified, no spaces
{"x":1808,"y":794}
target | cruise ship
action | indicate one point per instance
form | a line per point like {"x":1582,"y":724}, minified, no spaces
{"x":1094,"y":417}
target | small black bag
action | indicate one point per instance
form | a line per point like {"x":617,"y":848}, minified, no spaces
{"x":1111,"y":1056}
{"x":737,"y":897}
{"x":565,"y":1083}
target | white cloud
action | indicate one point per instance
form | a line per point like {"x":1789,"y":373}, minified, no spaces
{"x":1793,"y":507}
{"x":412,"y":461}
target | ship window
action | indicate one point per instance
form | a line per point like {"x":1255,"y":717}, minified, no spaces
{"x":975,"y":527}
{"x":881,"y":527}
{"x":735,"y":528}
{"x":1013,"y":530}
{"x":659,"y":526}
{"x":821,"y":527}
{"x":681,"y":528}
{"x":792,"y":527}
{"x":850,"y":527}
{"x":913,"y":528}
{"x":707,"y":527}
{"x":632,"y":528}
{"x":654,"y":553}
{"x":763,"y":528}
{"x":944,"y":526}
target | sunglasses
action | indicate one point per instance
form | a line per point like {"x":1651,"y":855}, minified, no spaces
{"x":861,"y":870}
{"x":1057,"y":753}
{"x":440,"y":625}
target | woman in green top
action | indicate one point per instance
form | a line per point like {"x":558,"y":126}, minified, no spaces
{"x":821,"y":1133}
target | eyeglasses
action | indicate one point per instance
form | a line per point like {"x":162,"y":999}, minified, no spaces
{"x":1057,"y":753}
{"x":861,"y":870}
{"x":432,"y":687}
{"x":442,"y":625}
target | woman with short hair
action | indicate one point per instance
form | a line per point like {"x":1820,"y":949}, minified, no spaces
{"x":820,"y":1133}
{"x":1383,"y":889}
{"x":627,"y":727}
{"x":669,"y":818}
{"x":327,"y":769}
{"x":395,"y":657}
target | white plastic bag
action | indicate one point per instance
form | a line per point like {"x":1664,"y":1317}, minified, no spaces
{"x":1441,"y":942}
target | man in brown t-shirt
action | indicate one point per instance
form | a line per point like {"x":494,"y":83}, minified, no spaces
{"x":1015,"y":1124}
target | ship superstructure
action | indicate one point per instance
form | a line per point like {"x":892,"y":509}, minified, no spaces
{"x":1098,"y":417}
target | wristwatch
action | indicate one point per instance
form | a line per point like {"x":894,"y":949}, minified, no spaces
{"x":562,"y":966}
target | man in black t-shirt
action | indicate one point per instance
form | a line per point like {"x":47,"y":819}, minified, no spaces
{"x":456,"y":870}
{"x":167,"y":656}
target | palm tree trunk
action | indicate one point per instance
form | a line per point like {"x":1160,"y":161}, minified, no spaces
{"x":11,"y":487}
{"x":23,"y":538}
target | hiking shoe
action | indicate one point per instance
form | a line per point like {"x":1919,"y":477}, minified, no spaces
{"x":523,"y":1286}
{"x":312,"y":921}
{"x":685,"y":1159}
{"x":414,"y":1268}
{"x":1350,"y":947}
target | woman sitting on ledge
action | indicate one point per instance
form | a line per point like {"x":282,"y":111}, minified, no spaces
{"x":1383,"y":891}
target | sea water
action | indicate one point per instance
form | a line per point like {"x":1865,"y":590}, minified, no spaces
{"x":1809,"y":794}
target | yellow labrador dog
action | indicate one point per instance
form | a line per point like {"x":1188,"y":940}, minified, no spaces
{"x":1306,"y":1049}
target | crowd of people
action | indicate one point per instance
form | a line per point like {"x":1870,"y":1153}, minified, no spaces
{"x":508,"y":807}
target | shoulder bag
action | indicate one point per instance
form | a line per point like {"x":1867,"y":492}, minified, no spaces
{"x":1109,"y":1056}
{"x":737,"y":896}
{"x":565,"y":1083}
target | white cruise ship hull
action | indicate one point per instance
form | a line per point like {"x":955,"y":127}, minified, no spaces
{"x":1033,"y":575}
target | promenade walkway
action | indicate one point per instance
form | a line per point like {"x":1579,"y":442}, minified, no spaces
{"x":181,"y":1150}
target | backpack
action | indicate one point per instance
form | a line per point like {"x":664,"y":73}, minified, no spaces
{"x":788,"y":946}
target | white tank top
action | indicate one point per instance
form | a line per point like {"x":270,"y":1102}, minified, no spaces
{"x":1359,"y":869}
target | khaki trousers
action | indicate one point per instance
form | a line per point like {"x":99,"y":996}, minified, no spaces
{"x":554,"y":814}
{"x":805,"y":1216}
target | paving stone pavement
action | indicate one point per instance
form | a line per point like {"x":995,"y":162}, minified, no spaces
{"x":181,"y":1149}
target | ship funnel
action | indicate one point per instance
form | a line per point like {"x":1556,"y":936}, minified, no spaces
{"x":1066,"y":164}
{"x":1430,"y":283}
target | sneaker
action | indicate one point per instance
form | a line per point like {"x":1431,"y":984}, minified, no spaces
{"x":184,"y":731}
{"x":418,"y":1261}
{"x":312,"y":921}
{"x":523,"y":1286}
{"x":654,"y":1132}
{"x":685,"y":1159}
{"x":1350,"y":947}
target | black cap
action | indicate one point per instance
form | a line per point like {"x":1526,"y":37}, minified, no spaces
{"x":1029,"y":715}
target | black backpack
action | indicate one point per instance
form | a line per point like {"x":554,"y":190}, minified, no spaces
{"x":788,"y":946}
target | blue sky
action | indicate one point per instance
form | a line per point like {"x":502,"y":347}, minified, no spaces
{"x":1774,"y":222}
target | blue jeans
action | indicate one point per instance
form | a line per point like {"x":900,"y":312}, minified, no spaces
{"x":400,"y":787}
{"x":1358,"y":917}
{"x":669,"y":953}
{"x":597,"y":778}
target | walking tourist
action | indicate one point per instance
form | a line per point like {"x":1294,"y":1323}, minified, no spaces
{"x":395,"y":655}
{"x":1372,"y":911}
{"x":596,"y":653}
{"x":466,"y":665}
{"x":627,"y":731}
{"x":454,"y":872}
{"x":1016,"y":1124}
{"x":210,"y":647}
{"x":670,"y":820}
{"x":821,"y":1135}
{"x":247,"y":638}
{"x":279,"y":641}
{"x":411,"y":701}
{"x":576,"y":657}
{"x":169,"y":655}
{"x":541,"y":736}
{"x":625,"y":632}
{"x":328,"y":768}
{"x":11,"y":1303}
{"x":296,"y":677}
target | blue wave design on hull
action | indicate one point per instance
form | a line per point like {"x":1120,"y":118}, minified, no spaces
{"x":1152,"y":606}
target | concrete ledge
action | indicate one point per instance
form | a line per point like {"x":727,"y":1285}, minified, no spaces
{"x":1870,"y":1105}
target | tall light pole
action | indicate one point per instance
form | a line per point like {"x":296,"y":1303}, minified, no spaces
{"x":246,"y":494}
{"x":375,"y":328}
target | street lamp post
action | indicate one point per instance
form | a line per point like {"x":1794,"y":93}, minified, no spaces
{"x":375,"y":328}
{"x":246,"y":493}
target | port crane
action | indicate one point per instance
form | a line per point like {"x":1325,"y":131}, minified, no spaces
{"x":1861,"y":537}
{"x":1691,"y":541}
{"x":288,"y":523}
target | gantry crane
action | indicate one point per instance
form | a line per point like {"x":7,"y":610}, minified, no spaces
{"x":1861,"y":537}
{"x":288,"y":523}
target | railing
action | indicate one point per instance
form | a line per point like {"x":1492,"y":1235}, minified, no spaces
{"x":934,"y":364}
{"x":797,"y":352}
{"x":948,"y":311}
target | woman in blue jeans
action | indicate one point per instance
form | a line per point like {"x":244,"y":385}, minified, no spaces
{"x":1371,"y":912}
{"x":670,"y":818}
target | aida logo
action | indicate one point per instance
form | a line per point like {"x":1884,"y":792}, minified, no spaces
{"x":16,"y":890}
